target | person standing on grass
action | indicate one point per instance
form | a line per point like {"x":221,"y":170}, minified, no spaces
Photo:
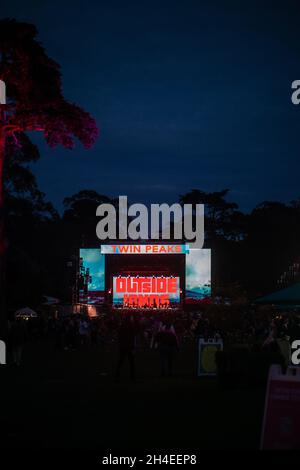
{"x":167,"y":343}
{"x":84,"y":332}
{"x":126,"y":340}
{"x":17,"y":338}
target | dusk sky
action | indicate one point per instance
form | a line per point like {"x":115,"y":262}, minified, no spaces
{"x":193,"y":94}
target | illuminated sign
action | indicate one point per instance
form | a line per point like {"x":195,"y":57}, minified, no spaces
{"x":140,"y":291}
{"x":144,"y":249}
{"x":196,"y":284}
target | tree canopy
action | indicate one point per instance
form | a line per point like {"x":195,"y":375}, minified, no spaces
{"x":34,"y":90}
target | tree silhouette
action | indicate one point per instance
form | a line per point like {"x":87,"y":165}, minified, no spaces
{"x":80,"y":216}
{"x":22,"y":196}
{"x":219,"y":213}
{"x":83,"y":204}
{"x":35,"y":101}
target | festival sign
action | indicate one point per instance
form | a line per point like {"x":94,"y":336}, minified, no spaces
{"x":281,"y":424}
{"x":141,"y":291}
{"x":144,"y":249}
{"x":207,"y":356}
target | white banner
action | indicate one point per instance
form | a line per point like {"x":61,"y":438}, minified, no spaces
{"x":144,"y":249}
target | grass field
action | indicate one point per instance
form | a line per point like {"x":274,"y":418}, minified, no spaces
{"x":68,"y":399}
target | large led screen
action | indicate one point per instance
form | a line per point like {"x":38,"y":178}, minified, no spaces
{"x":198,"y":275}
{"x":92,"y":276}
{"x":146,"y":292}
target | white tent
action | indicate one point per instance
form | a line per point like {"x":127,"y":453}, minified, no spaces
{"x":25,"y":312}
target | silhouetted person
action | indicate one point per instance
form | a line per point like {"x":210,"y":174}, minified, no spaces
{"x":17,"y":337}
{"x":167,"y":343}
{"x":126,"y":339}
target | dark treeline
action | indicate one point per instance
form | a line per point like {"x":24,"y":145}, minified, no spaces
{"x":249,"y":251}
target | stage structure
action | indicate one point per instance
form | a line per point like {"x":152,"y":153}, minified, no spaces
{"x":144,"y":276}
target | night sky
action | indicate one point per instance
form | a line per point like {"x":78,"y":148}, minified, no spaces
{"x":187,"y":94}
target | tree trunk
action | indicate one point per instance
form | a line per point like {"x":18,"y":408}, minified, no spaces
{"x":3,"y":318}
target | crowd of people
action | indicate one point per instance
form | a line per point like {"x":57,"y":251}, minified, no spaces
{"x":164,"y":331}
